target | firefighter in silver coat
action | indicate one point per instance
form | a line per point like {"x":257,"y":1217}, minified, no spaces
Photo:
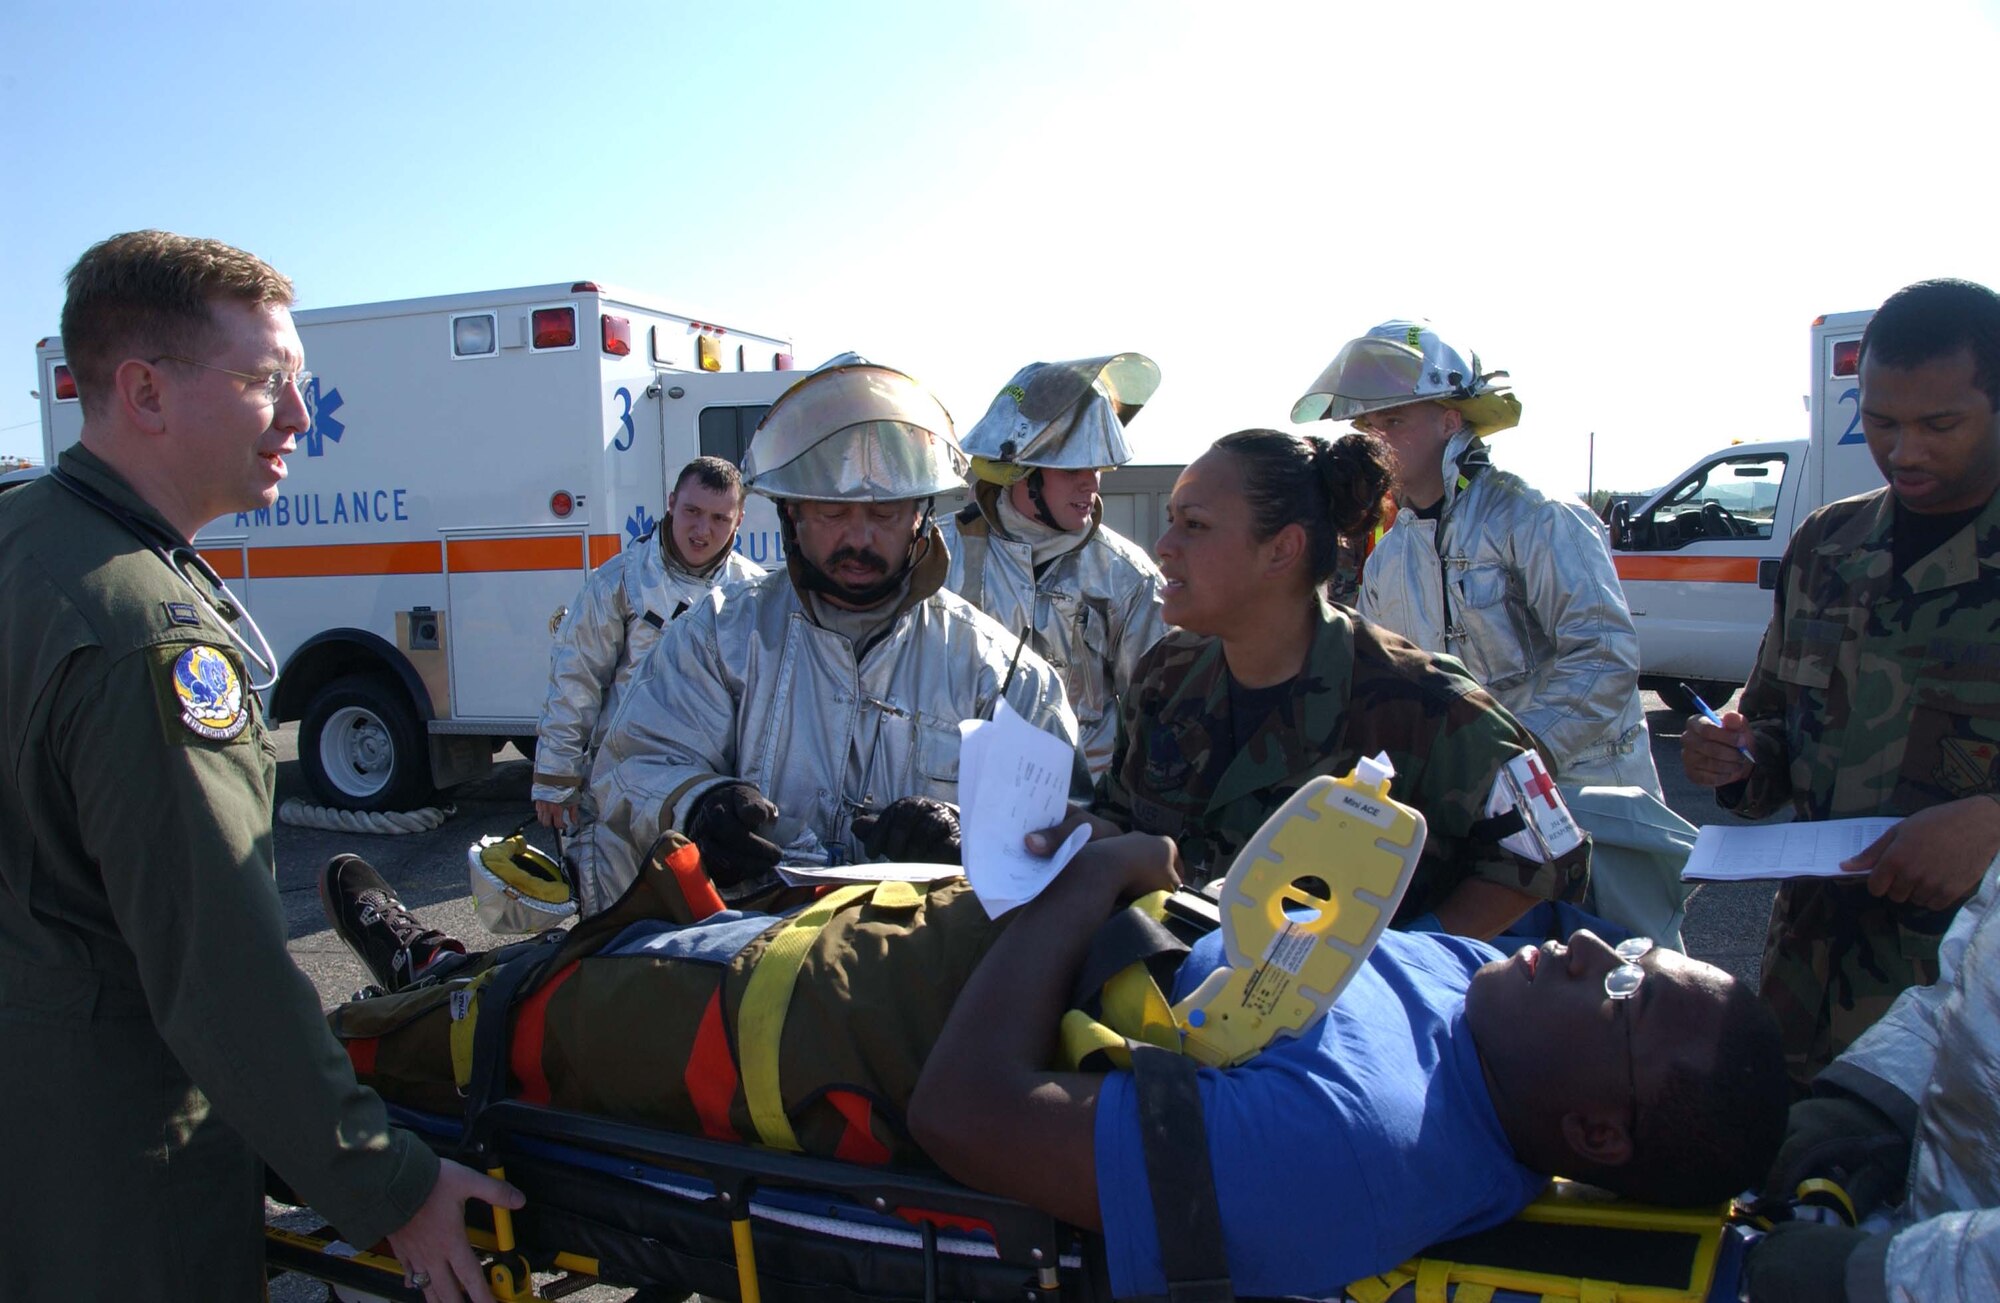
{"x":1517,"y":584}
{"x":612,"y":625}
{"x":1032,"y":550}
{"x":813,"y":717}
{"x":1914,"y":1102}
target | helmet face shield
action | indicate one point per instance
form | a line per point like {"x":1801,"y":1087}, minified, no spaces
{"x":873,"y":461}
{"x":1367,"y":375}
{"x":1403,"y":362}
{"x":1066,"y":415}
{"x":856,"y":433}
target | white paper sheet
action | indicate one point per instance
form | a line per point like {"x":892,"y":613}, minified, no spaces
{"x":1785,"y":850}
{"x":1013,"y":779}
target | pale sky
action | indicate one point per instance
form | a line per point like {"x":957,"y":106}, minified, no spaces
{"x":1637,"y":216}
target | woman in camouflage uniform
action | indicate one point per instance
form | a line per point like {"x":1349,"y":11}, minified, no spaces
{"x":1266,"y":684}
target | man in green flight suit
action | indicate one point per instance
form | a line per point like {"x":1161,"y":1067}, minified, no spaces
{"x":1877,"y":690}
{"x":157,"y":1045}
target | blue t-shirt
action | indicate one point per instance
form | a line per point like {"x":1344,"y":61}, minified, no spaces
{"x":1338,"y":1154}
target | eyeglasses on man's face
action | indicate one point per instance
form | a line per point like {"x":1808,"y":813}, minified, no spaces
{"x":1621,"y":984}
{"x":271,"y":386}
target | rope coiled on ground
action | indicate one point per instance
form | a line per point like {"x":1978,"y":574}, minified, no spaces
{"x":387,"y":823}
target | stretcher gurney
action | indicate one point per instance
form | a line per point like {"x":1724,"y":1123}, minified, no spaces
{"x":632,"y":1206}
{"x":641,"y":1206}
{"x":635,"y":1206}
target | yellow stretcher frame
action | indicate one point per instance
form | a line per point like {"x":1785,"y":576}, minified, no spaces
{"x":1434,"y":1280}
{"x":1567,"y":1204}
{"x":1030,"y":1241}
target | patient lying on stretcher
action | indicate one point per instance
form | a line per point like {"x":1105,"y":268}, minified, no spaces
{"x":1433,"y":1100}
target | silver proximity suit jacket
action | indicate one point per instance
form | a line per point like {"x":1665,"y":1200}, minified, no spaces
{"x":751,"y":688}
{"x":1520,"y":587}
{"x":609,"y":631}
{"x":1094,"y":610}
{"x":1933,"y":1065}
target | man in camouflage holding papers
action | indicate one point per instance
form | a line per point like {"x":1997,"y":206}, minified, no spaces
{"x":1877,"y":689}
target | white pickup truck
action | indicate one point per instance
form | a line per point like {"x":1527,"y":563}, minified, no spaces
{"x":1699,"y":559}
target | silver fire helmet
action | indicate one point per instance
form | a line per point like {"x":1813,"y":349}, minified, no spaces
{"x":855,"y":432}
{"x":1403,"y":362}
{"x":1065,"y":415}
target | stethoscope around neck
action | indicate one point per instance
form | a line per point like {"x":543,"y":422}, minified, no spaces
{"x":178,"y":555}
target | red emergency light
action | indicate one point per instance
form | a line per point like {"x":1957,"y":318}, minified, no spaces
{"x":1847,"y":357}
{"x":554,"y":327}
{"x":617,"y":335}
{"x":561,"y":503}
{"x":65,"y":384}
{"x":781,"y":361}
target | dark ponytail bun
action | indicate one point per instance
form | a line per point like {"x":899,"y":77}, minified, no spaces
{"x":1357,"y":473}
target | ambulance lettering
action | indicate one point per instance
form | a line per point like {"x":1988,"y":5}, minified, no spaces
{"x":342,"y":507}
{"x":761,"y":546}
{"x":1852,"y":434}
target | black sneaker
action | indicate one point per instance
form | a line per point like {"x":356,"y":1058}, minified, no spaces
{"x":376,"y":926}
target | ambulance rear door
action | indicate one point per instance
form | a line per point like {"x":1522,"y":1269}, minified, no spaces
{"x":714,"y":415}
{"x":1842,"y":466}
{"x":62,"y":412}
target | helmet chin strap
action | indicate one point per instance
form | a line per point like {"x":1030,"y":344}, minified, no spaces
{"x":814,"y":580}
{"x":1042,"y":512}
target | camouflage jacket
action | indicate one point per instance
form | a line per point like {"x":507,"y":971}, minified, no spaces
{"x":1874,"y":694}
{"x":1363,"y":690}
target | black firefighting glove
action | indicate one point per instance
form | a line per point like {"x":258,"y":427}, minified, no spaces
{"x":1845,"y":1139}
{"x":911,"y":830}
{"x":724,"y":823}
{"x":1803,"y":1262}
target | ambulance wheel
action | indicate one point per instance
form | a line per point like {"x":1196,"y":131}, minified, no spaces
{"x":1713,"y":691}
{"x":363,"y":747}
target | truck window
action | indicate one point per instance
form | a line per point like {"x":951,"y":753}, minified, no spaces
{"x":725,"y":431}
{"x":1734,"y":498}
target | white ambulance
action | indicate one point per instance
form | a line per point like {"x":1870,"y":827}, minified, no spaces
{"x":471,"y":457}
{"x":1699,"y":559}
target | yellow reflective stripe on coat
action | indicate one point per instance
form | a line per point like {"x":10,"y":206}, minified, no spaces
{"x":760,"y":1024}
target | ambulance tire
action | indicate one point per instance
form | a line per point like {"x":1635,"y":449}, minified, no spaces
{"x":363,"y":747}
{"x":1715,"y":692}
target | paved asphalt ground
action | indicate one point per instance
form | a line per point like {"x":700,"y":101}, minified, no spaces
{"x":1725,"y":923}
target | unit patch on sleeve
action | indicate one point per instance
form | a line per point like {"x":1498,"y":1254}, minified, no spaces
{"x":208,"y":694}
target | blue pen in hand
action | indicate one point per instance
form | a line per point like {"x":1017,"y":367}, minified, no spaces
{"x":1709,"y":714}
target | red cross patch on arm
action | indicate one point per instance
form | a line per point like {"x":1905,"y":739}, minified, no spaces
{"x":1549,"y":830}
